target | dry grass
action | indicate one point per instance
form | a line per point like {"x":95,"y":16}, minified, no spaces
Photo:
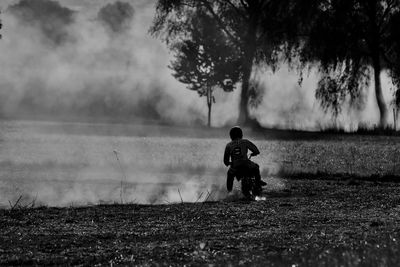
{"x":311,"y":223}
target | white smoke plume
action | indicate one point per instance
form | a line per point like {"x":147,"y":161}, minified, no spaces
{"x":288,"y":105}
{"x":77,"y":66}
{"x":96,"y":59}
{"x":63,"y":59}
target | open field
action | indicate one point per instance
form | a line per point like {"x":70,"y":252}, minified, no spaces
{"x":70,"y":164}
{"x":65,"y":170}
{"x":310,"y":223}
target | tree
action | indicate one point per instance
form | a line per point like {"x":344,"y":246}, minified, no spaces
{"x":1,"y":26}
{"x":351,"y":40}
{"x":205,"y":60}
{"x":252,"y":27}
{"x":393,"y":56}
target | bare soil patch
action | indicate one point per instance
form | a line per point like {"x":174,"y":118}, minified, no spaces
{"x":311,"y":223}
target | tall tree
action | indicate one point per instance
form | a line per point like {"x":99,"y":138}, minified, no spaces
{"x":1,"y":26}
{"x":205,"y":60}
{"x":393,"y":54}
{"x":252,"y":26}
{"x":351,"y":40}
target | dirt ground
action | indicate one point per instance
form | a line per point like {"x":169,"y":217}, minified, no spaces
{"x":311,"y":223}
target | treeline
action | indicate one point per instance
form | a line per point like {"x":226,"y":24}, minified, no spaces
{"x":218,"y":43}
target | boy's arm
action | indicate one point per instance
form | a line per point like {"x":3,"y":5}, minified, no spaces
{"x":253,"y":148}
{"x":226,"y":156}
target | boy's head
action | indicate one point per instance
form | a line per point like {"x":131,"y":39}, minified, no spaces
{"x":236,"y":133}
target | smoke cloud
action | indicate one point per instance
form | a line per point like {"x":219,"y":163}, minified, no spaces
{"x":116,"y":16}
{"x":50,"y":17}
{"x":89,"y":58}
{"x":288,"y":105}
{"x":85,"y":59}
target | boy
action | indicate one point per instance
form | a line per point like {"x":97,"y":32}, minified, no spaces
{"x":235,"y":156}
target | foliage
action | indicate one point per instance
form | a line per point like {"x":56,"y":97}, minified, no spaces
{"x":393,"y":56}
{"x":253,"y":28}
{"x":205,"y":59}
{"x":346,"y":39}
{"x":334,"y":89}
{"x":256,"y":93}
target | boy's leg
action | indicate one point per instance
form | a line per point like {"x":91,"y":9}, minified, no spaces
{"x":256,"y":172}
{"x":229,"y":179}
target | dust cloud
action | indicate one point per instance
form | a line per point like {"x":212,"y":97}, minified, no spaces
{"x":70,"y":61}
{"x":88,"y":60}
{"x":95,"y":59}
{"x":288,"y":105}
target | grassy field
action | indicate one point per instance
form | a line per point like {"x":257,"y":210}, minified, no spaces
{"x":64,"y":164}
{"x":59,"y":183}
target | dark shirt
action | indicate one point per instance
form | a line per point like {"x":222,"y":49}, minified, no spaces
{"x":236,"y":151}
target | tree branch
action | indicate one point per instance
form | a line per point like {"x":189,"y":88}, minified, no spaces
{"x":386,"y":12}
{"x":246,"y":6}
{"x":386,"y":57}
{"x":220,"y":22}
{"x":238,"y":11}
{"x":264,"y":4}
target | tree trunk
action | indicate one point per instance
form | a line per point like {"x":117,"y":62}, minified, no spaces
{"x":209,"y":104}
{"x":375,"y":40}
{"x":247,"y":65}
{"x":383,"y":112}
{"x":244,"y":97}
{"x":209,"y":116}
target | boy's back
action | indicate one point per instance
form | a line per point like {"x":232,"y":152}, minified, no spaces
{"x":236,"y":151}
